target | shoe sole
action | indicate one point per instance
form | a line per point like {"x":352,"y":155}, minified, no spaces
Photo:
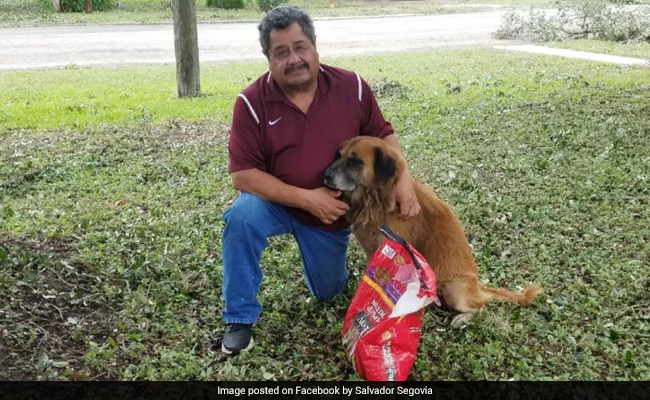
{"x":235,"y":352}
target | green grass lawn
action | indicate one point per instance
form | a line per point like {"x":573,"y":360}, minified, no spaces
{"x":112,"y":190}
{"x":41,"y":12}
{"x":637,"y":50}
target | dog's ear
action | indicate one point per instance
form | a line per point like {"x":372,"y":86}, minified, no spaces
{"x":384,"y":166}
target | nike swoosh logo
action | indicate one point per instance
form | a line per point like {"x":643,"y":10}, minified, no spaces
{"x":274,"y":122}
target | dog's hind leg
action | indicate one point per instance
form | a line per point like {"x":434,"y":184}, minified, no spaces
{"x":524,"y":298}
{"x":464,"y":295}
{"x":469,"y":297}
{"x":461,"y":319}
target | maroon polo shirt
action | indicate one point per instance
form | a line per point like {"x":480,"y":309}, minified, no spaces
{"x":272,"y":134}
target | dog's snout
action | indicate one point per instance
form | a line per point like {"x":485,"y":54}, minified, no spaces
{"x":329,"y":173}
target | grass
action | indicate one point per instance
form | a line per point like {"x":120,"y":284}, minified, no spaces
{"x":110,"y":222}
{"x":83,"y":98}
{"x":632,"y":49}
{"x":40,"y":12}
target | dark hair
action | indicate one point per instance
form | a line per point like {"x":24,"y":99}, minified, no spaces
{"x":281,"y":17}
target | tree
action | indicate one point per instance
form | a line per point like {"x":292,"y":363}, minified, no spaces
{"x":188,"y":79}
{"x":57,"y":5}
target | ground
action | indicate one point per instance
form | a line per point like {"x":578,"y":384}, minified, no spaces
{"x":110,"y":217}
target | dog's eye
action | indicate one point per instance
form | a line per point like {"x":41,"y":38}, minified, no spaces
{"x":354,"y":159}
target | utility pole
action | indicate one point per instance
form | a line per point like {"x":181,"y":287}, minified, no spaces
{"x":188,"y":79}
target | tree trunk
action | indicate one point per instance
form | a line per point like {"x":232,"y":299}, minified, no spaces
{"x":57,"y":5}
{"x":188,"y":79}
{"x":89,"y":7}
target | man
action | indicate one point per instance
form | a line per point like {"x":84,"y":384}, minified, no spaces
{"x":285,"y":132}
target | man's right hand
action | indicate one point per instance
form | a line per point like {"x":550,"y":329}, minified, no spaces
{"x":321,"y":202}
{"x":324,"y":204}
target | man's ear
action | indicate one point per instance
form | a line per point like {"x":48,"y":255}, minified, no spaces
{"x":384,"y":166}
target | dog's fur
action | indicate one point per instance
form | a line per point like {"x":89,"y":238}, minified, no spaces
{"x":365,"y":171}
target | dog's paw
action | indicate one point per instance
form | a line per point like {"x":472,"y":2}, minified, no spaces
{"x":460,"y":320}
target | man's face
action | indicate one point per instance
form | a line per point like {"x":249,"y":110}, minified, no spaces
{"x":293,"y":58}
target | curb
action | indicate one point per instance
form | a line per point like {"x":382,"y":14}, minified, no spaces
{"x":583,"y":55}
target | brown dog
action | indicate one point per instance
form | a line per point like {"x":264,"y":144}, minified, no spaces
{"x":365,"y":171}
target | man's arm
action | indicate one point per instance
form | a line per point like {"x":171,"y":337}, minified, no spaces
{"x":404,"y":193}
{"x":247,"y":162}
{"x":320,"y":202}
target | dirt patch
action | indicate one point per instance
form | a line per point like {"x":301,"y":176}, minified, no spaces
{"x":35,"y":156}
{"x":50,"y":308}
{"x":388,"y":88}
{"x":175,"y":133}
{"x":183,"y":134}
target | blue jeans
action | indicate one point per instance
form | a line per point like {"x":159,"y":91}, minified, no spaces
{"x":249,"y":222}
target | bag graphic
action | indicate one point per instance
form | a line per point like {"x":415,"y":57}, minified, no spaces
{"x":381,"y":332}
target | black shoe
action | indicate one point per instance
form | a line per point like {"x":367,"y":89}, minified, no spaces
{"x":237,"y":338}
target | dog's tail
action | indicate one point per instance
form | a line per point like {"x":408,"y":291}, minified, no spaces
{"x":524,"y":298}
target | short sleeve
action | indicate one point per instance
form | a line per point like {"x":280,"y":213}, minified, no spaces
{"x":373,"y":123}
{"x":245,"y":145}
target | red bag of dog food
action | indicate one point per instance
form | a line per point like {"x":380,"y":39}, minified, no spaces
{"x":381,"y":332}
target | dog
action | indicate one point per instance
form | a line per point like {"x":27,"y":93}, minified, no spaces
{"x":364,"y":171}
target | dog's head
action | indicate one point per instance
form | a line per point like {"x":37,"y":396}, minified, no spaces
{"x":364,"y":163}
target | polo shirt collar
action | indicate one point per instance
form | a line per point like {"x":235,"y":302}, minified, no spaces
{"x":275,"y":94}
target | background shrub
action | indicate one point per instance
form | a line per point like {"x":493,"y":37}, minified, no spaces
{"x":266,"y":5}
{"x":579,"y":19}
{"x":227,"y":4}
{"x":79,"y":5}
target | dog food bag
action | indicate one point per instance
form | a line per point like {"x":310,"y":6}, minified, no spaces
{"x":381,"y":332}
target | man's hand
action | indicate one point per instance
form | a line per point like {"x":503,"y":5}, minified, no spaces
{"x":323,"y":203}
{"x":403,"y":194}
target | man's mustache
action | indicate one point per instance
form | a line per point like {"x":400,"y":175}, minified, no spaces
{"x":294,"y":68}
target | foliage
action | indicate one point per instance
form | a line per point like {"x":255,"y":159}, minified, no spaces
{"x":111,"y":196}
{"x":578,"y":19}
{"x":227,"y":4}
{"x":267,"y":5}
{"x":79,"y":5}
{"x":40,"y":12}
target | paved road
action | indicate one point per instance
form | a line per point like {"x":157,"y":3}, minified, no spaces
{"x":118,"y":45}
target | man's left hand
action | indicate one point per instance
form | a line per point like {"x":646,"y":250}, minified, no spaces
{"x":404,"y":195}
